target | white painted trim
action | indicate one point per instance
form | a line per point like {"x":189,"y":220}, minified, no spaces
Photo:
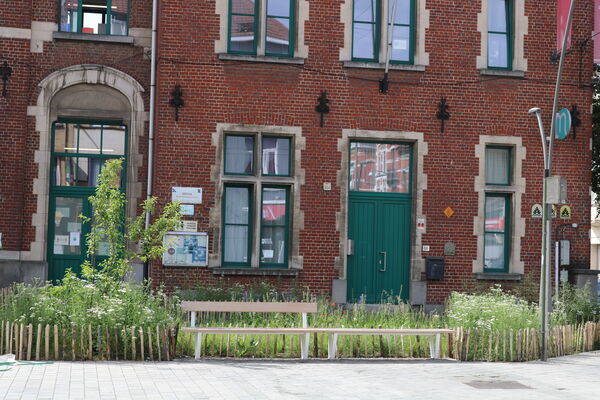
{"x":420,"y":150}
{"x":518,"y":221}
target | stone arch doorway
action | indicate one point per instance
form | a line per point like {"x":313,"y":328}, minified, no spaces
{"x":78,"y":108}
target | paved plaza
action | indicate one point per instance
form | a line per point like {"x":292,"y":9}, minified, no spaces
{"x":571,"y":377}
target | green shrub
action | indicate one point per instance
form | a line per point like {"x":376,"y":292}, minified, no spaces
{"x":495,"y":309}
{"x":80,"y":302}
{"x":574,"y":306}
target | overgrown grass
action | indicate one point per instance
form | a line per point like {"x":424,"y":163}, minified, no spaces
{"x":495,"y":310}
{"x":81,"y":302}
{"x":575,"y":306}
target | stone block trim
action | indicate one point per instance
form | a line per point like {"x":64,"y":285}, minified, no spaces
{"x":295,"y":181}
{"x":44,"y":115}
{"x":419,"y":186}
{"x":520,"y":29}
{"x":517,"y":189}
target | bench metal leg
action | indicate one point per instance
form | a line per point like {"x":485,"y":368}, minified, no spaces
{"x":304,"y":338}
{"x":431,"y":347}
{"x":198,"y":349}
{"x":332,"y":346}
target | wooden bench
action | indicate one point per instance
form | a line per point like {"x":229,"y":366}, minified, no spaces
{"x":195,"y":307}
{"x":304,"y":332}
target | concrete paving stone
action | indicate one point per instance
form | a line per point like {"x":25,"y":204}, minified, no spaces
{"x":570,"y":377}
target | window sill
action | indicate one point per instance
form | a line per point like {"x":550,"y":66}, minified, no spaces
{"x":261,"y":59}
{"x":375,"y":65}
{"x":86,"y":37}
{"x":500,"y":72}
{"x":256,"y":271}
{"x":490,"y":276}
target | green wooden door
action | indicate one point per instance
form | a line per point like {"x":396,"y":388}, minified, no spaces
{"x":66,"y":234}
{"x":79,"y":150}
{"x":379,"y":266}
{"x":379,"y":222}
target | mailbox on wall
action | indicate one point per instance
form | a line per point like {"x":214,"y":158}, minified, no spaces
{"x":434,"y":267}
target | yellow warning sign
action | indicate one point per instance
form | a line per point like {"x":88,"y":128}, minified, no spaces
{"x":536,"y":211}
{"x":448,"y":212}
{"x":565,"y":212}
{"x":554,"y":211}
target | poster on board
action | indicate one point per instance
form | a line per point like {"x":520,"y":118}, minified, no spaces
{"x":185,"y":249}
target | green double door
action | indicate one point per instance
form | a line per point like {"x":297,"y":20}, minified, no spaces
{"x":380,"y":263}
{"x":379,"y":222}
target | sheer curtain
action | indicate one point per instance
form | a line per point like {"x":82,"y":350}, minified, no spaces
{"x":236,"y":224}
{"x":496,"y":166}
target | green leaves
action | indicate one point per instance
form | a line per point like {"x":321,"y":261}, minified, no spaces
{"x":122,"y":239}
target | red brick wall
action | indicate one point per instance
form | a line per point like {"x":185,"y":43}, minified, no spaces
{"x":271,"y":94}
{"x":18,"y":138}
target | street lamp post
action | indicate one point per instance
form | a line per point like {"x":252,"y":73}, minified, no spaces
{"x":545,"y":273}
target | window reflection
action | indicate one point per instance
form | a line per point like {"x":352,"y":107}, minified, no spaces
{"x":379,"y":167}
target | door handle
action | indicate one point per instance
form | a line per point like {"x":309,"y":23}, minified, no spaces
{"x":384,"y":261}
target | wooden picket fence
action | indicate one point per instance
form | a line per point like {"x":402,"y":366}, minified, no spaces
{"x":523,"y":345}
{"x":53,"y":342}
{"x":464,"y":344}
{"x":288,"y":346}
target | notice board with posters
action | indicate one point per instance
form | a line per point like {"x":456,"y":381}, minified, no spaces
{"x":185,"y":249}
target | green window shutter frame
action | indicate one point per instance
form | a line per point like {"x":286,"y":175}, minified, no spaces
{"x":249,"y":225}
{"x":291,"y":35}
{"x":507,"y":197}
{"x":108,"y":17}
{"x":285,"y":225}
{"x":255,"y":15}
{"x":412,"y":35}
{"x":509,"y":36}
{"x":379,"y":24}
{"x":377,"y":39}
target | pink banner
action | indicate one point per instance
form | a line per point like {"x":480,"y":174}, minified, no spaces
{"x":596,"y":31}
{"x":562,"y":14}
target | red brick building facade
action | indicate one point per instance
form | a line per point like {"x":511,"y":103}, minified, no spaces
{"x":349,"y":202}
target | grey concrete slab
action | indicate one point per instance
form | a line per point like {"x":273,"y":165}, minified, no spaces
{"x":573,"y":377}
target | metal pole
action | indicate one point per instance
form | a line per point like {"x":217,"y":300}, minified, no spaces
{"x":151,"y":115}
{"x":547,"y":228}
{"x":556,"y":265}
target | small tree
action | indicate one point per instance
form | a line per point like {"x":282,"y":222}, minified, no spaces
{"x":110,"y":226}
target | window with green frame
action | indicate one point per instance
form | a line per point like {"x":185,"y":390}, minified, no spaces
{"x":245,"y":31}
{"x":274,"y":226}
{"x":267,"y":216}
{"x":498,"y":165}
{"x":237,"y":225}
{"x":369,"y":33}
{"x":498,"y":173}
{"x":497,"y":232}
{"x":100,"y":17}
{"x":500,"y":17}
{"x":81,"y":149}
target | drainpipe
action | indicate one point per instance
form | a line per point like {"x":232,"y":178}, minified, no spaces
{"x":152,"y":121}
